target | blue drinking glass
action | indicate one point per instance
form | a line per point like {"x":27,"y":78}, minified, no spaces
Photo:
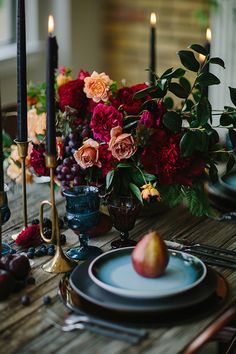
{"x":5,"y":216}
{"x":82,"y":212}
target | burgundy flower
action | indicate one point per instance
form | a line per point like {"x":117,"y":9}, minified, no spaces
{"x":162,"y":157}
{"x":37,"y":160}
{"x":28,"y":237}
{"x":124,"y":98}
{"x":72,"y":94}
{"x":106,"y":158}
{"x":146,"y":119}
{"x":103,"y":120}
{"x":82,"y":74}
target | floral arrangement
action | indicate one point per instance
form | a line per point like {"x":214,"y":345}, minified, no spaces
{"x":135,"y":139}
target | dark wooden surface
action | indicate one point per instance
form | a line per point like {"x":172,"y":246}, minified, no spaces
{"x":27,"y":330}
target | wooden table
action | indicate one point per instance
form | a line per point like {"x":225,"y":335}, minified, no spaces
{"x":25,"y":329}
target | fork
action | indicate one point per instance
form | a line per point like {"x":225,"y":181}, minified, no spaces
{"x":74,"y":318}
{"x":108,"y":332}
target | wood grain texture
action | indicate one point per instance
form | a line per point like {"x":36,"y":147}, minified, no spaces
{"x":27,"y":330}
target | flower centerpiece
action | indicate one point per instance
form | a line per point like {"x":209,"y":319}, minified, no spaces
{"x":136,"y":139}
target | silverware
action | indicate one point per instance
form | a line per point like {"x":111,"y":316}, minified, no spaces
{"x":74,"y":318}
{"x":209,"y":254}
{"x":105,"y":331}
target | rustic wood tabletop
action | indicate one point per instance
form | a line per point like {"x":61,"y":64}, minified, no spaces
{"x":26,"y":329}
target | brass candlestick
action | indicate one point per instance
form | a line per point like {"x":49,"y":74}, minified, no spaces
{"x":22,"y":148}
{"x":60,"y":263}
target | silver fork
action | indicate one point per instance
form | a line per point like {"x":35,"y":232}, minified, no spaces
{"x":74,"y":318}
{"x":108,"y":332}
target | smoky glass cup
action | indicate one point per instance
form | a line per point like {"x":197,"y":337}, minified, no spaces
{"x":82,"y":213}
{"x":123,"y":212}
{"x":5,"y":216}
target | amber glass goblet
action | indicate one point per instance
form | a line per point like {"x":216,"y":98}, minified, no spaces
{"x":123,"y":212}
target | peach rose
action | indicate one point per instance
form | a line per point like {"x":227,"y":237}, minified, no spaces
{"x":36,"y":124}
{"x":63,"y":79}
{"x":14,"y":168}
{"x":97,"y":86}
{"x":121,"y":145}
{"x":88,"y":154}
{"x":14,"y":172}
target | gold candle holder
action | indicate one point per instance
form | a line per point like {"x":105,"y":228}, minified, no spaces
{"x":22,"y":148}
{"x":60,"y":263}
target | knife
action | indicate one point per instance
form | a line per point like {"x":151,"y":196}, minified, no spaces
{"x":207,"y":257}
{"x":206,"y":247}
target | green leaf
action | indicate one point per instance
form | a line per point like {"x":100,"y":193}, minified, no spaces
{"x":168,"y":102}
{"x":198,"y":48}
{"x":201,"y":139}
{"x":109,"y":178}
{"x":162,"y":84}
{"x":187,"y":143}
{"x":203,"y":111}
{"x":225,"y":119}
{"x":197,"y":200}
{"x":171,"y":195}
{"x":136,"y":191}
{"x":178,"y":90}
{"x":123,"y":165}
{"x":172,"y":121}
{"x":213,"y":173}
{"x":143,"y":93}
{"x":207,"y":79}
{"x":218,"y":61}
{"x":232,"y":136}
{"x":186,"y":84}
{"x":179,"y":72}
{"x":149,"y":177}
{"x":166,"y":73}
{"x":233,"y":94}
{"x":188,"y":60}
{"x":230,"y":163}
{"x":6,"y":139}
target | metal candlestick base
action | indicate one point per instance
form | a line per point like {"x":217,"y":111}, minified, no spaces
{"x":22,"y":148}
{"x":60,"y":263}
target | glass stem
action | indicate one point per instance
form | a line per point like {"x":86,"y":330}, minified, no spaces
{"x":124,"y":235}
{"x":83,"y":238}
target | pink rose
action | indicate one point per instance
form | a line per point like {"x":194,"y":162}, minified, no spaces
{"x":121,"y":144}
{"x":103,"y":120}
{"x":97,"y":86}
{"x":87,"y":155}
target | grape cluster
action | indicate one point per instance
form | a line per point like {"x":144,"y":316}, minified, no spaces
{"x":68,"y":172}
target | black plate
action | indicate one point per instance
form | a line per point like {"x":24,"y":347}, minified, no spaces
{"x":213,"y":288}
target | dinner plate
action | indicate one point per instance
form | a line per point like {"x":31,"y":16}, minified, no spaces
{"x":114,"y":272}
{"x":83,"y":285}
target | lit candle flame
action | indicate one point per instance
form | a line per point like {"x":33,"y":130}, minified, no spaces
{"x":153,"y":19}
{"x":208,"y":34}
{"x":50,"y":24}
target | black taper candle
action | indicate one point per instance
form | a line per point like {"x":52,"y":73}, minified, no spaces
{"x":21,"y":73}
{"x":1,"y":152}
{"x":50,"y":90}
{"x":152,"y":64}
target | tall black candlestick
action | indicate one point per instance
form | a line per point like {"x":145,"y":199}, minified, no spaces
{"x":21,"y":73}
{"x":1,"y":152}
{"x":152,"y":64}
{"x":50,"y":92}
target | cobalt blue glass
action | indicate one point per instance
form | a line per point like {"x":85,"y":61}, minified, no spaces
{"x":5,"y":216}
{"x":82,"y":212}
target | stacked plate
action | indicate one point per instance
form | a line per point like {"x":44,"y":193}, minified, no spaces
{"x":110,"y":283}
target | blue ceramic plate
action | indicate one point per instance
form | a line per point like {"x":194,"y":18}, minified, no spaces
{"x":114,"y":272}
